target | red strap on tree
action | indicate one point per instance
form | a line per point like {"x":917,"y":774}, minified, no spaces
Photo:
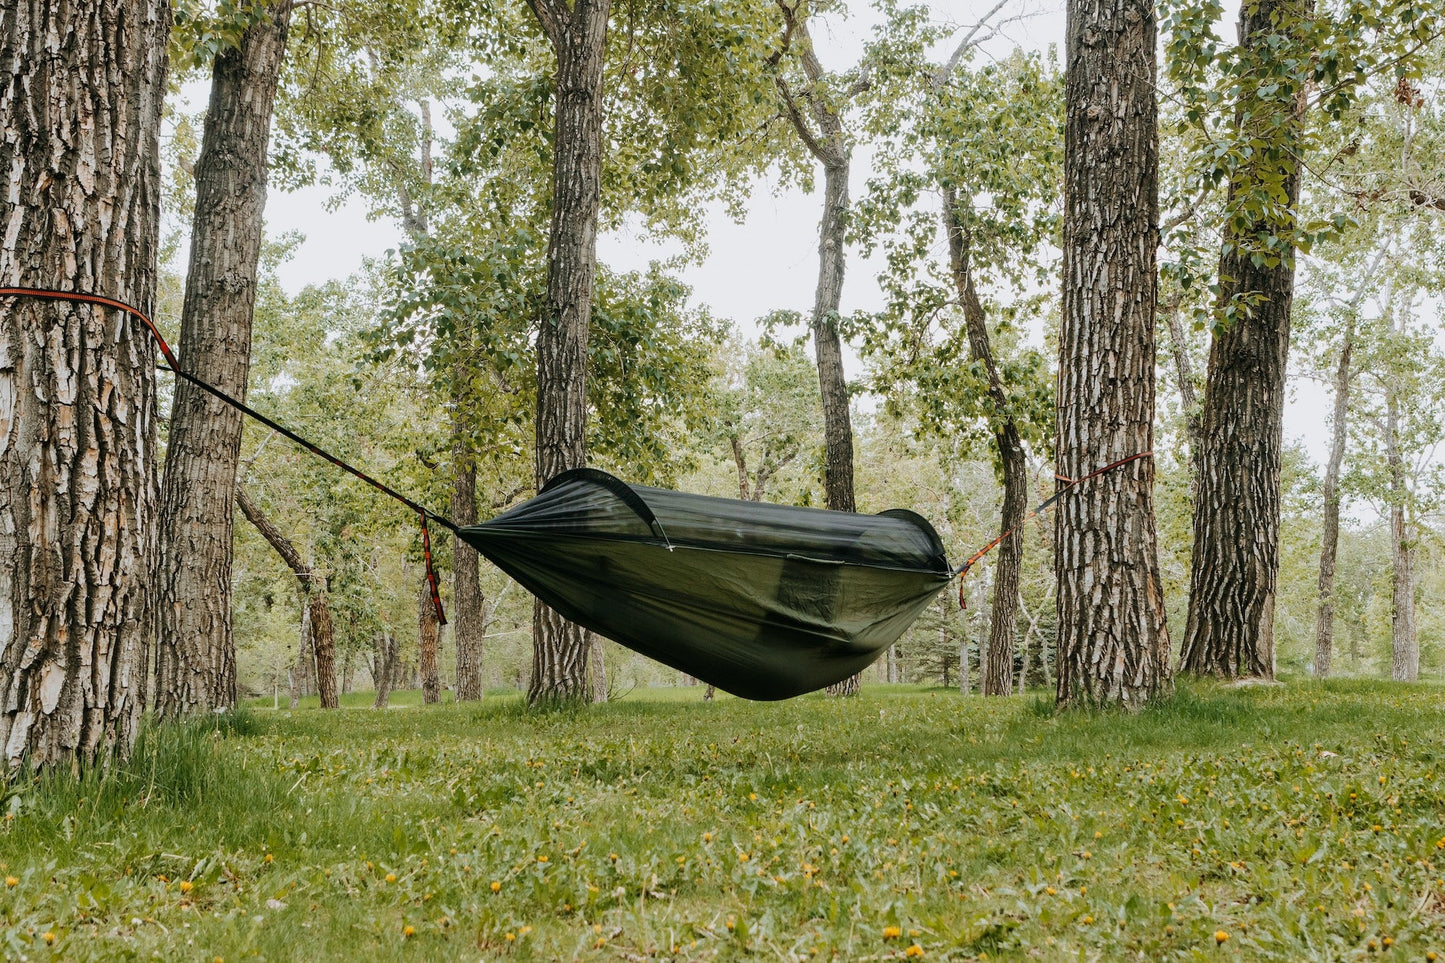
{"x":171,"y":365}
{"x":962,"y":571}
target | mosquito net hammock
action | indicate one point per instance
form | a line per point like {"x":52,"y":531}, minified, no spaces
{"x":763,"y":601}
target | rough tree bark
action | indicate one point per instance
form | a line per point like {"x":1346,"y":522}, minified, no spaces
{"x":429,"y":632}
{"x":578,"y":35}
{"x":195,"y":650}
{"x":998,"y":656}
{"x":1113,"y":645}
{"x":1235,"y":566}
{"x":821,"y":131}
{"x":468,"y":623}
{"x":1404,"y":640}
{"x":318,"y":631}
{"x":80,"y":115}
{"x":384,"y":659}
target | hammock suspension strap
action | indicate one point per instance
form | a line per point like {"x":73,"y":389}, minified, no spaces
{"x":423,"y":514}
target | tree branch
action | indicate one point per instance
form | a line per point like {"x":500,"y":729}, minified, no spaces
{"x":554,"y":16}
{"x":970,"y":39}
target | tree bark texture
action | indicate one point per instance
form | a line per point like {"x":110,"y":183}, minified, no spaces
{"x":318,"y":635}
{"x":1404,"y":640}
{"x":1113,"y":643}
{"x":384,"y":657}
{"x":468,"y":629}
{"x":578,"y":35}
{"x":998,"y":657}
{"x":1235,"y":566}
{"x":81,"y":86}
{"x":1330,"y":536}
{"x":195,"y":649}
{"x":429,"y":632}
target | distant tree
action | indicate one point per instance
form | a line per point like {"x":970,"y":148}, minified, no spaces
{"x":195,"y":649}
{"x":80,"y":104}
{"x":1112,"y":640}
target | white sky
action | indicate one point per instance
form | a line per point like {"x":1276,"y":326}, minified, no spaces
{"x":766,"y":263}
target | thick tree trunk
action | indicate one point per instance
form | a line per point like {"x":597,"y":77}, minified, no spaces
{"x":1233,"y":575}
{"x":998,"y":657}
{"x":429,"y":633}
{"x":468,"y":628}
{"x":1112,"y":639}
{"x":1330,"y":536}
{"x":195,"y":650}
{"x":80,"y":117}
{"x":318,"y":638}
{"x":1404,"y":641}
{"x":578,"y":35}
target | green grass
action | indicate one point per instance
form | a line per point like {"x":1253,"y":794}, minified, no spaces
{"x":1303,"y":822}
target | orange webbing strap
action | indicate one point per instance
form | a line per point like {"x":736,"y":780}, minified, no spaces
{"x":962,"y":571}
{"x":423,"y":513}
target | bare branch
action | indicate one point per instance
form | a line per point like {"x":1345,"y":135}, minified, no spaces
{"x":969,"y":41}
{"x":554,"y":16}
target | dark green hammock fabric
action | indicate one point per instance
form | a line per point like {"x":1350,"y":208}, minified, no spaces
{"x":763,"y":601}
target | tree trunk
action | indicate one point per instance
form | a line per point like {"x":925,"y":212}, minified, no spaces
{"x":429,"y":633}
{"x":305,"y":663}
{"x":828,"y":346}
{"x":1112,"y":639}
{"x":741,"y":461}
{"x":318,"y":640}
{"x":385,"y":660}
{"x":597,"y":666}
{"x":347,"y":670}
{"x":80,"y":117}
{"x":998,"y":657}
{"x":468,"y":629}
{"x":578,"y":35}
{"x":1235,"y":567}
{"x":1184,"y":374}
{"x":195,"y":650}
{"x":1330,"y":537}
{"x":1404,"y":641}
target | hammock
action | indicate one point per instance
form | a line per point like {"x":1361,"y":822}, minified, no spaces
{"x":763,"y":601}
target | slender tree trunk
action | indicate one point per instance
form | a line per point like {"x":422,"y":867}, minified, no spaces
{"x":429,"y":633}
{"x":1112,"y":639}
{"x":1235,"y":567}
{"x":578,"y":35}
{"x":998,"y":658}
{"x":1330,"y":537}
{"x":741,"y":461}
{"x":828,"y":346}
{"x":305,"y":663}
{"x":597,"y":666}
{"x":468,"y":631}
{"x":1184,"y":374}
{"x":318,"y":640}
{"x":385,"y":674}
{"x":195,"y":650}
{"x":80,"y":117}
{"x":1404,"y":641}
{"x":347,"y":670}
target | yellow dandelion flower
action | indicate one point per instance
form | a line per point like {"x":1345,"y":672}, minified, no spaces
{"x":408,"y":931}
{"x":1220,"y":936}
{"x":11,"y":882}
{"x":48,"y":937}
{"x":892,"y":932}
{"x":914,"y":950}
{"x":270,"y":858}
{"x":496,"y":886}
{"x":187,"y":886}
{"x":391,"y":877}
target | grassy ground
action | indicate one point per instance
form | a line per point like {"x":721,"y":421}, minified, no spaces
{"x":1300,"y":822}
